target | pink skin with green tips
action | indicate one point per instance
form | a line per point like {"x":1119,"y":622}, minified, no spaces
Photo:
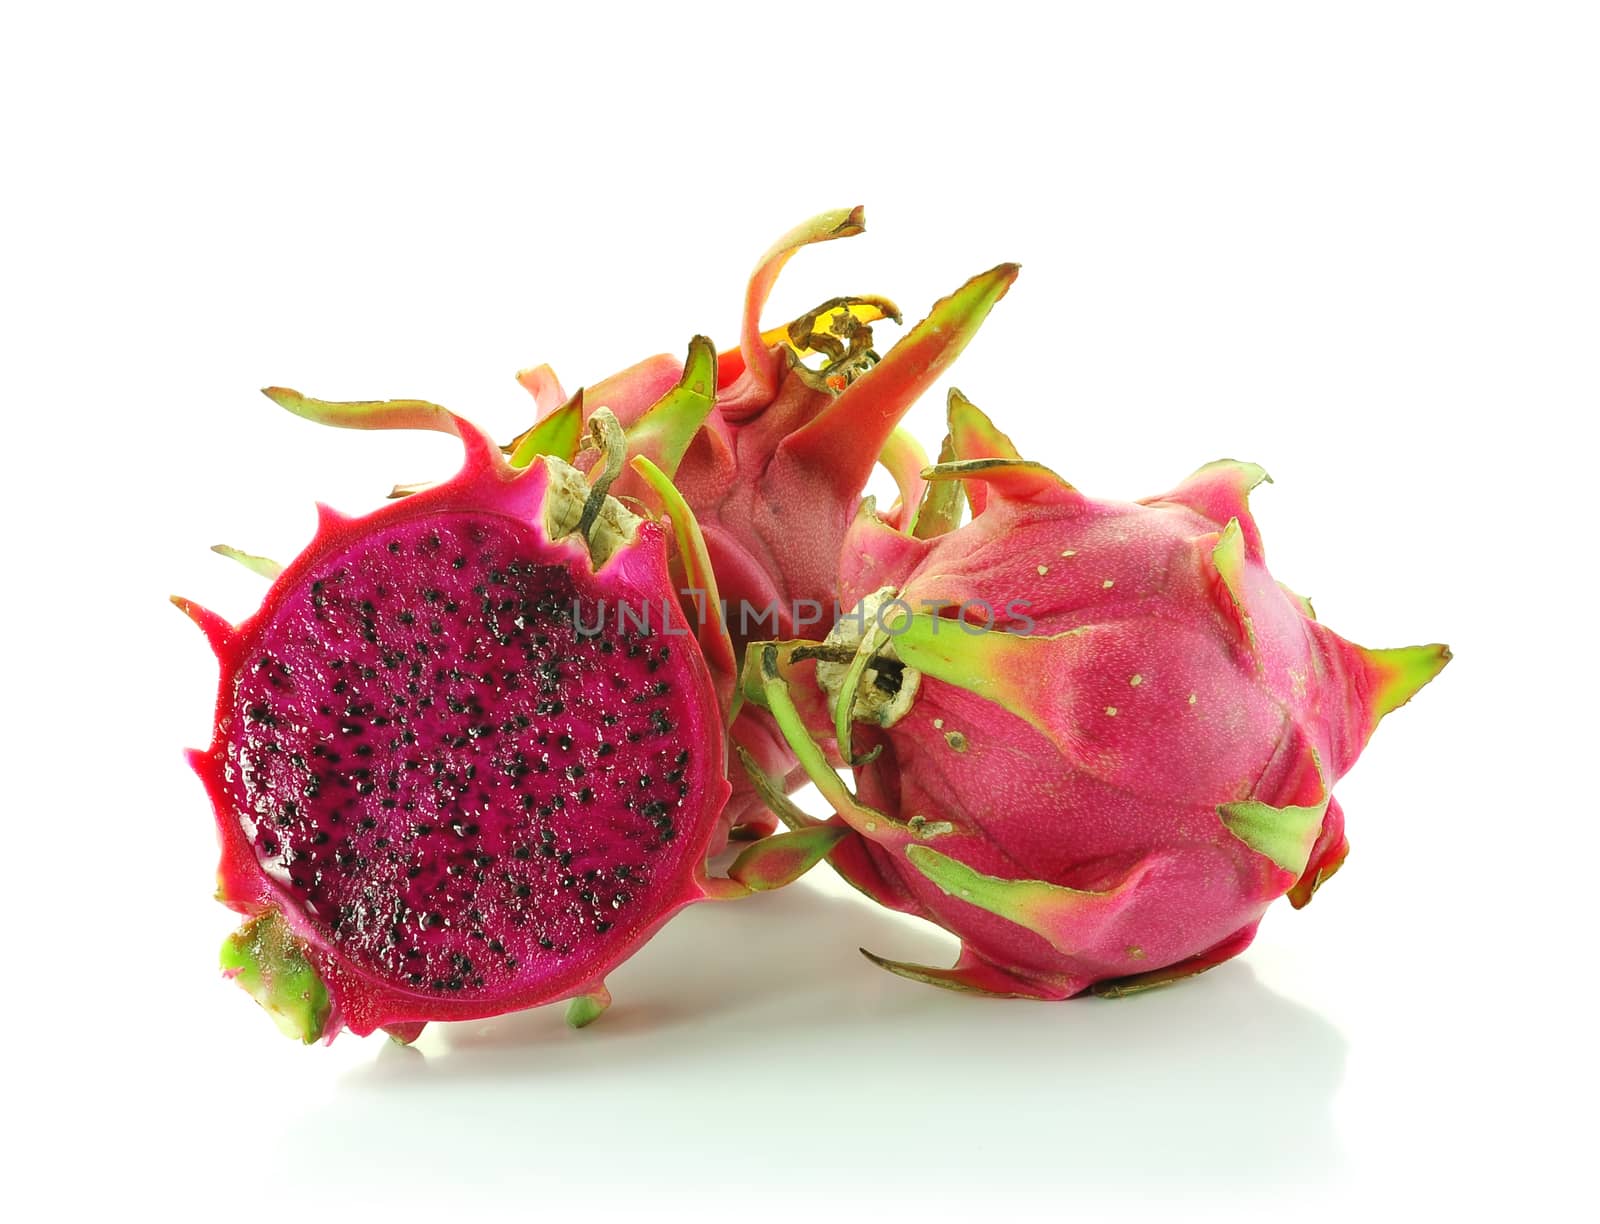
{"x":772,"y":456}
{"x":447,"y":785}
{"x":1107,"y":792}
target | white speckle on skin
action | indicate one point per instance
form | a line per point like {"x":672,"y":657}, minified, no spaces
{"x":1108,"y":583}
{"x":938,"y":724}
{"x":1043,"y":570}
{"x":1069,"y":552}
{"x":1191,"y":698}
{"x":1111,"y":711}
{"x":1135,"y":680}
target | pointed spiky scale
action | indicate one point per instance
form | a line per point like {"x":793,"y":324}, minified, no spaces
{"x":1284,"y":834}
{"x":942,"y":502}
{"x":1299,"y":601}
{"x":1399,"y":674}
{"x":270,"y":963}
{"x":1220,"y":492}
{"x":974,"y":436}
{"x":1228,"y":556}
{"x":556,"y":434}
{"x":904,"y":459}
{"x":1003,"y":668}
{"x":1066,"y":918}
{"x":1017,"y":480}
{"x":986,"y":460}
{"x":266,"y":567}
{"x":631,"y":392}
{"x":1117,"y":988}
{"x":772,"y":794}
{"x":541,"y":382}
{"x":665,"y":431}
{"x":842,"y":442}
{"x":218,"y":631}
{"x":824,"y":227}
{"x":969,"y":975}
{"x":785,"y":857}
{"x":365,"y":414}
{"x":1327,"y":856}
{"x":712,"y":632}
{"x":584,"y":1009}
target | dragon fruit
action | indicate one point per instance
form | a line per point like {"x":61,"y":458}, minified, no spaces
{"x":468,"y":755}
{"x":1099,"y":739}
{"x":773,"y":455}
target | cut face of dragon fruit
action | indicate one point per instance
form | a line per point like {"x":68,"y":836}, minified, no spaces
{"x":468,"y":755}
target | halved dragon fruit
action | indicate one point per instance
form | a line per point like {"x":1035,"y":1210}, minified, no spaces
{"x":773,"y":455}
{"x":468,"y":755}
{"x":1099,"y":739}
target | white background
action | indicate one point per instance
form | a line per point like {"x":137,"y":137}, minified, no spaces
{"x":1355,"y":243}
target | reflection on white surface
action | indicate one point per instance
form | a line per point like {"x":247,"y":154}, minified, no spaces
{"x":752,"y":1046}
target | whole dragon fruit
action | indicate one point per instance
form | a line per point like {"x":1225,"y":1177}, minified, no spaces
{"x":1100,"y":738}
{"x":773,"y":455}
{"x":468,"y":754}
